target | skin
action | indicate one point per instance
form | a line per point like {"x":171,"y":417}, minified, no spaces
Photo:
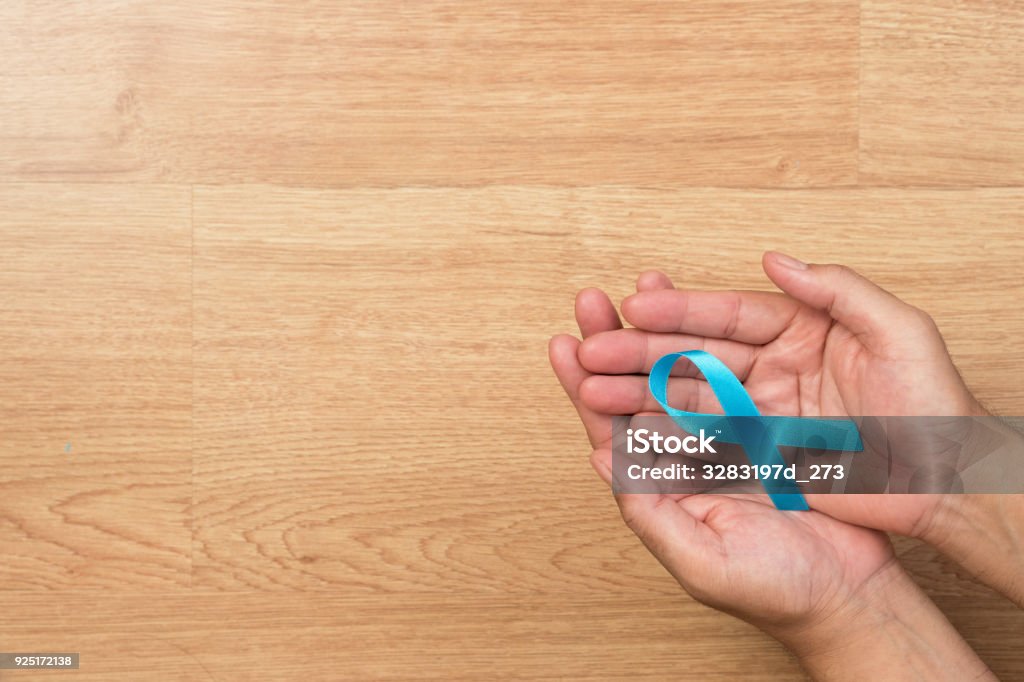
{"x":826,"y":346}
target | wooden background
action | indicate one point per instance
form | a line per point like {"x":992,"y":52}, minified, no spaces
{"x":277,"y":279}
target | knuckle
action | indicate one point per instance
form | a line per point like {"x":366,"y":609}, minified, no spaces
{"x":628,"y":512}
{"x":843,"y":273}
{"x":923,"y":319}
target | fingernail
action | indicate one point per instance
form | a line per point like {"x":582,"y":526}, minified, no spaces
{"x":789,"y":261}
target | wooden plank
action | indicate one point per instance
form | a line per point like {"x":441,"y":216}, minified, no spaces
{"x":327,"y":636}
{"x":95,"y":387}
{"x":378,"y":477}
{"x":324,"y":636}
{"x":373,"y":405}
{"x":319,"y":315}
{"x":942,"y":93}
{"x":760,"y":93}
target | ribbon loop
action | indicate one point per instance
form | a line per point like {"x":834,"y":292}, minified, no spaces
{"x":742,"y":424}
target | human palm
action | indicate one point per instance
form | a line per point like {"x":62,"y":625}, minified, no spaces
{"x":793,"y":359}
{"x":817,"y":366}
{"x":737,"y":553}
{"x":832,"y":344}
{"x":844,"y":347}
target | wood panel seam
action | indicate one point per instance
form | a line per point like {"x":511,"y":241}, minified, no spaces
{"x":192,"y":388}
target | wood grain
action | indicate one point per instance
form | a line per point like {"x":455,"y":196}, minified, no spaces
{"x":95,"y":387}
{"x":390,"y":393}
{"x":277,"y":279}
{"x":942,"y":93}
{"x":433,"y":93}
{"x":429,"y":637}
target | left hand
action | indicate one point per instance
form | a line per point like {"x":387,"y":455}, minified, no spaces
{"x":780,"y":570}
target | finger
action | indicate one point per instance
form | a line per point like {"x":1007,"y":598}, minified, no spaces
{"x":595,"y":312}
{"x":746,"y":316}
{"x":601,"y":460}
{"x":562,"y":352}
{"x":634,"y":351}
{"x":862,"y":306}
{"x":629,"y":394}
{"x":653,"y":280}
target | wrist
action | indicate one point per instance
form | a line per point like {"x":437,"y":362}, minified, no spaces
{"x":887,"y":629}
{"x":985,"y":535}
{"x":860,"y":613}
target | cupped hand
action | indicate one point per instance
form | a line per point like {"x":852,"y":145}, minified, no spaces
{"x":831,"y":344}
{"x":783,"y":571}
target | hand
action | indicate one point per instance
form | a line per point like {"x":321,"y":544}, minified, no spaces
{"x":738,"y":554}
{"x":833,"y":344}
{"x":796,"y":575}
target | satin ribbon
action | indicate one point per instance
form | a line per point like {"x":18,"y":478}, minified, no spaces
{"x":742,"y":424}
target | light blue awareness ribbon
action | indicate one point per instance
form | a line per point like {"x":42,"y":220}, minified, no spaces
{"x":742,"y":424}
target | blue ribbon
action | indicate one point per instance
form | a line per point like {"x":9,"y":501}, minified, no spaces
{"x":742,"y":424}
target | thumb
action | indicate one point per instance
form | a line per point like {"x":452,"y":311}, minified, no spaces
{"x":856,"y":302}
